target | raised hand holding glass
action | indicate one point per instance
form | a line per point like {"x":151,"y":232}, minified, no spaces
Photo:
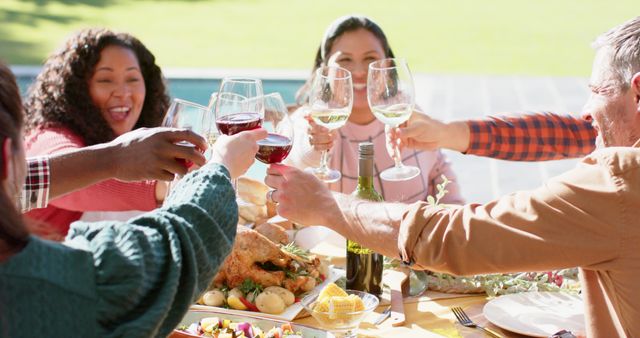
{"x":391,"y":96}
{"x":239,"y":106}
{"x":187,"y":115}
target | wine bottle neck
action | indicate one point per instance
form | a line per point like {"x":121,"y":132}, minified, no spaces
{"x":365,"y":172}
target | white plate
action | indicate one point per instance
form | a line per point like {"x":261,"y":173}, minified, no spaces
{"x":264,"y":324}
{"x":289,"y":313}
{"x":537,"y":314}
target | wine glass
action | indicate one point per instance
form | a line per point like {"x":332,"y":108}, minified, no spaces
{"x":239,"y":106}
{"x":330,"y":102}
{"x":277,"y":145}
{"x":390,"y":92}
{"x":187,"y":115}
{"x":212,"y":132}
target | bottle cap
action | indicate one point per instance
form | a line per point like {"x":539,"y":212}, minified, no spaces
{"x":365,"y":149}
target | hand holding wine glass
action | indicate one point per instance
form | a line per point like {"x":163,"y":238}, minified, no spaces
{"x":239,"y":106}
{"x":237,"y":152}
{"x":187,"y":115}
{"x":330,"y":102}
{"x":390,"y":92}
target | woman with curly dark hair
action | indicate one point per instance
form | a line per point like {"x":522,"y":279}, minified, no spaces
{"x":119,"y":279}
{"x":99,"y":85}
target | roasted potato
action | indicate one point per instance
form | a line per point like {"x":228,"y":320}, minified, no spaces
{"x":270,"y":302}
{"x":287,"y":296}
{"x":235,"y":292}
{"x":213,"y":298}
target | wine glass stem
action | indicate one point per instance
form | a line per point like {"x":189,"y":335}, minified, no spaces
{"x":398,"y":157}
{"x":234,"y":184}
{"x":324,"y":158}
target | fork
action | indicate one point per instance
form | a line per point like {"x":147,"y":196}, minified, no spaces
{"x":383,"y":316}
{"x":466,"y":321}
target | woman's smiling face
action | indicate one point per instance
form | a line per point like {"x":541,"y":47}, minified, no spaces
{"x":358,"y":49}
{"x":117,"y":88}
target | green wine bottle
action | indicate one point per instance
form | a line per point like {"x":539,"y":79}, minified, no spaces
{"x":364,"y":266}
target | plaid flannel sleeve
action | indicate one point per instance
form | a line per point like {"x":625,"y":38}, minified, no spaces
{"x":35,"y":192}
{"x":531,"y":137}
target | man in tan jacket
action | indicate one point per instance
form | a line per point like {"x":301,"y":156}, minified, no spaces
{"x":588,"y":217}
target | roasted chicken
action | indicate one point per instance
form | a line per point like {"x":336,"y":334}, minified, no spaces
{"x":254,"y":256}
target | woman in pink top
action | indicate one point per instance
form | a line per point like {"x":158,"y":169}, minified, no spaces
{"x":99,"y":85}
{"x":354,"y":42}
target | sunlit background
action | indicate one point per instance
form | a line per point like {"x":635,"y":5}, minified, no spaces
{"x":469,"y":58}
{"x":542,"y":37}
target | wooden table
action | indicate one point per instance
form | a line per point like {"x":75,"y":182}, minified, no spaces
{"x":428,"y":318}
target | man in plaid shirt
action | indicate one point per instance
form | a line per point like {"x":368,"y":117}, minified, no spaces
{"x":539,"y":136}
{"x":142,"y":154}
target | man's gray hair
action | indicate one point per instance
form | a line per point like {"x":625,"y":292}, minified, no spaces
{"x":623,"y":42}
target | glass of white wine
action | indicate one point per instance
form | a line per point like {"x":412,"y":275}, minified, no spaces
{"x":330,"y":102}
{"x":391,"y":96}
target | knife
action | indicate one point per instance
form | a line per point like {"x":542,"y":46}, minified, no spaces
{"x":396,"y":278}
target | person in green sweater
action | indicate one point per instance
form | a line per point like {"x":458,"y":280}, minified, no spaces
{"x":114,"y":279}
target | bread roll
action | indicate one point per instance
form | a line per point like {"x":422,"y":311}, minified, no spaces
{"x":252,"y":213}
{"x":252,"y":191}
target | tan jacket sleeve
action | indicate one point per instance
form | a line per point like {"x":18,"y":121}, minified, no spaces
{"x":575,"y":219}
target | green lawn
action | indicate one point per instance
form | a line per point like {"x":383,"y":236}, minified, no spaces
{"x":537,"y":37}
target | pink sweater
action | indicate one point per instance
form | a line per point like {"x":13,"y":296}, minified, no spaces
{"x":344,"y":157}
{"x":110,"y":195}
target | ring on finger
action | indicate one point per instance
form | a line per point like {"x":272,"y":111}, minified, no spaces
{"x":270,"y":196}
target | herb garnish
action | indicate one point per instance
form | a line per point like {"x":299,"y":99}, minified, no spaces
{"x":248,"y":286}
{"x":293,"y":249}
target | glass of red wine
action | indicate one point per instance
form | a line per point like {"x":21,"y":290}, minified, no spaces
{"x":187,"y":115}
{"x":239,"y":106}
{"x":277,"y":145}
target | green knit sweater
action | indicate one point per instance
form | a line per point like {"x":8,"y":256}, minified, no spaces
{"x":123,"y":279}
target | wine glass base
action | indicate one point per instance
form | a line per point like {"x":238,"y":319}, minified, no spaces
{"x":417,"y":283}
{"x":345,"y":333}
{"x":326,"y":176}
{"x":403,"y":173}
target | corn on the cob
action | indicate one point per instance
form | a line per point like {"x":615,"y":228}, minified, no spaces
{"x":331,"y":290}
{"x":358,"y":304}
{"x":340,"y":306}
{"x":322,"y":306}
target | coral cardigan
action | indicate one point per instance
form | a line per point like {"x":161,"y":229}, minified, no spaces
{"x":109,"y":195}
